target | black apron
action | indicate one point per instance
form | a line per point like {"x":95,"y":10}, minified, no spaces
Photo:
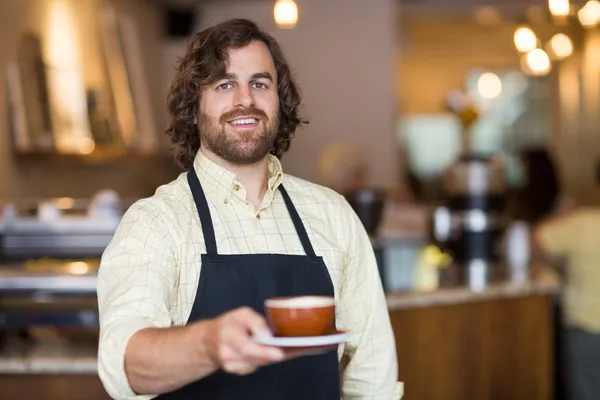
{"x":231,"y":281}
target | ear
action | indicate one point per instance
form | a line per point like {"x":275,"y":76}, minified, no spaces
{"x":195,"y":121}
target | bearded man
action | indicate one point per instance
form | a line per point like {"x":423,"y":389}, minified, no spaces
{"x":182,"y":285}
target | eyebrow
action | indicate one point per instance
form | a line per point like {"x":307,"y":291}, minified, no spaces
{"x":262,"y":75}
{"x":258,"y":75}
{"x":228,"y":76}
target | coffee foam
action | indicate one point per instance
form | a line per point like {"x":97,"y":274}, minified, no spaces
{"x":300,"y":302}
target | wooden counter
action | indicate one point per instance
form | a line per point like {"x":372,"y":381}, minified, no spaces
{"x":52,"y":366}
{"x":52,"y":387}
{"x":452,"y":343}
{"x":496,"y":349}
{"x":498,"y":343}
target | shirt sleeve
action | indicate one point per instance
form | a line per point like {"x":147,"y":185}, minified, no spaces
{"x":137,"y":274}
{"x":372,"y":371}
{"x":556,"y":236}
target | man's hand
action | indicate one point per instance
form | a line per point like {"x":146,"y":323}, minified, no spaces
{"x":231,"y":346}
{"x":160,"y":360}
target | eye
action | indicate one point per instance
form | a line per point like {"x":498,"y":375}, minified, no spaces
{"x":224,"y":86}
{"x":259,"y":86}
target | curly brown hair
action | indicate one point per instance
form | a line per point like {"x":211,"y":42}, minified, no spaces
{"x":206,"y":61}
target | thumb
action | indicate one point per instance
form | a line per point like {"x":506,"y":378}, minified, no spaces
{"x":256,"y":323}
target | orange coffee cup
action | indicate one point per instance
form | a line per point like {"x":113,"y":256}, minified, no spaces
{"x":301,"y":315}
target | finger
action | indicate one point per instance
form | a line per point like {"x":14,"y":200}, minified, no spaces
{"x":257,"y":354}
{"x":238,"y":339}
{"x":239,"y":368}
{"x":254,"y":322}
{"x":234,"y":361}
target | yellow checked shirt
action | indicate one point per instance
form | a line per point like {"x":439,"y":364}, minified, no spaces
{"x":150,"y":270}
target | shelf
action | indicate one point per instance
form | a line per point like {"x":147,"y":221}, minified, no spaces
{"x":96,"y":157}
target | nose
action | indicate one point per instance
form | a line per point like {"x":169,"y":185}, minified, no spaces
{"x":243,"y":97}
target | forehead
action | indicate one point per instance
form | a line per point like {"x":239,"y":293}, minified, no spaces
{"x":250,"y":59}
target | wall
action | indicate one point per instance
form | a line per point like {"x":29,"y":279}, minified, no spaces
{"x":342,"y":52}
{"x":437,"y":54}
{"x":28,"y":178}
{"x":578,"y":141}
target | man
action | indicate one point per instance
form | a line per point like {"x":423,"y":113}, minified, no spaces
{"x":182,"y":284}
{"x":572,"y":237}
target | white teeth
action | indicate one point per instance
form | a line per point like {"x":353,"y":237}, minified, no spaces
{"x":244,"y":121}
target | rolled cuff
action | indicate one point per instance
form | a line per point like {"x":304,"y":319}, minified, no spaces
{"x":399,"y":391}
{"x":397,"y":394}
{"x":111,"y":359}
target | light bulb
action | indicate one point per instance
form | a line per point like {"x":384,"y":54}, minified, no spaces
{"x":489,"y":85}
{"x":525,"y":39}
{"x":589,"y":15}
{"x":538,"y":62}
{"x":559,"y":8}
{"x":285,"y":13}
{"x":561,"y":46}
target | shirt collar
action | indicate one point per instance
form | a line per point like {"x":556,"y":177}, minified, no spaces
{"x":222,"y":182}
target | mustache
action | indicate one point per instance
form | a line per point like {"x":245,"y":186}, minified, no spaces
{"x":243,"y":112}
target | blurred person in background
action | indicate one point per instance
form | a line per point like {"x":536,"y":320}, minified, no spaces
{"x":569,"y":241}
{"x":540,"y":194}
{"x":342,"y":167}
{"x":182,"y":284}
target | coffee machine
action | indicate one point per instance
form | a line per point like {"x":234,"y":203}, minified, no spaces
{"x":470,"y":223}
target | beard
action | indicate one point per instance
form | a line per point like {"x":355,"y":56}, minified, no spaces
{"x":239,"y":148}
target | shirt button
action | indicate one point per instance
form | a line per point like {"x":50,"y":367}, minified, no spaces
{"x":236,"y":187}
{"x":258,"y":215}
{"x":225,"y":201}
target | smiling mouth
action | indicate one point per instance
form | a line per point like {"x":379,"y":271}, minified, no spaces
{"x":244,"y":122}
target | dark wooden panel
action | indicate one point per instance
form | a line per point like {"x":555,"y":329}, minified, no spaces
{"x":51,"y":387}
{"x":494,"y":350}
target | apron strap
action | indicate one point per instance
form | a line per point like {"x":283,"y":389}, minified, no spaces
{"x":203,"y":212}
{"x":207,"y":225}
{"x":308,"y":249}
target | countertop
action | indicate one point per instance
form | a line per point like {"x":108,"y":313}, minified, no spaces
{"x":537,"y":280}
{"x":49,"y":352}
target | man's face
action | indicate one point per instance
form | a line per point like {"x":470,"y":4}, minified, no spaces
{"x":239,"y":114}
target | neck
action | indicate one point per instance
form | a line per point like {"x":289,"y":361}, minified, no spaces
{"x":254,"y":177}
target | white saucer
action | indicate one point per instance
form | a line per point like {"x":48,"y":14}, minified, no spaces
{"x":304,"y":341}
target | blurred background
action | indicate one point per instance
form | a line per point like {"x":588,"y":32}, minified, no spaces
{"x":452,"y":127}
